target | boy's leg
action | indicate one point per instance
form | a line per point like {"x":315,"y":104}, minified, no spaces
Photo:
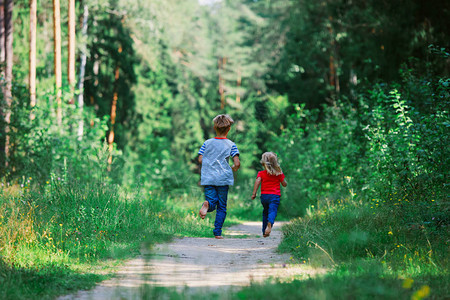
{"x":211,"y":196}
{"x":265,"y":214}
{"x":204,"y":209}
{"x":222,"y":193}
{"x":210,"y":202}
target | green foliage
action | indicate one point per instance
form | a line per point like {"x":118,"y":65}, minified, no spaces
{"x":363,"y":281}
{"x":364,"y":42}
{"x":51,"y":231}
{"x":150,"y":139}
{"x":110,"y":67}
{"x":391,"y":209}
{"x":40,"y":146}
{"x":45,"y":282}
{"x":320,"y":160}
{"x":371,"y":242}
{"x":362,"y":144}
{"x":344,"y":231}
{"x":405,"y":145}
{"x":84,"y":220}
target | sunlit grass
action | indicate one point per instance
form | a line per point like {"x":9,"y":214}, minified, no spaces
{"x":62,"y":237}
{"x":57,"y":237}
{"x":349,"y":283}
{"x":388,"y":241}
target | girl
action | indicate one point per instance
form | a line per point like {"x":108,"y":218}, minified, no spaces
{"x":270,"y":180}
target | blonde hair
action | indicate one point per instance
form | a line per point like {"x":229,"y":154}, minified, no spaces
{"x":222,"y":123}
{"x":270,"y":162}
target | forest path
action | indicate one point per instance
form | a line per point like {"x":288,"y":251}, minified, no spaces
{"x":202,"y":264}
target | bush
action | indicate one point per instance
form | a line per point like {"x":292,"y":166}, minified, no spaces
{"x":320,"y":160}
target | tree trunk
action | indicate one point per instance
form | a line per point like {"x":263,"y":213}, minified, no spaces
{"x":113,"y":113}
{"x":9,"y":5}
{"x":238,"y":83}
{"x":32,"y":57}
{"x":2,"y":32}
{"x":82,"y":72}
{"x":2,"y":51}
{"x":353,"y":82}
{"x":57,"y":58}
{"x":336,"y":67}
{"x":95,"y":70}
{"x":331,"y":65}
{"x":71,"y":47}
{"x":221,"y":64}
{"x":334,"y":78}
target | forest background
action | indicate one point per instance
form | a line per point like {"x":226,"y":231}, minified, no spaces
{"x":99,"y":138}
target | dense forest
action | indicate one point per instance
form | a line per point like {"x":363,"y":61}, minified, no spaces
{"x":105,"y":104}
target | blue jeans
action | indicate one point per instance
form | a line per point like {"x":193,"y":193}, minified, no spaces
{"x":217,"y":198}
{"x":270,"y":203}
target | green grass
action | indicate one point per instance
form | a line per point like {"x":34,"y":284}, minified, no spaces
{"x":398,"y":235}
{"x":61,"y":237}
{"x":65,"y":236}
{"x":44,"y":281}
{"x":378,"y":249}
{"x":374,"y":248}
{"x":362,"y":281}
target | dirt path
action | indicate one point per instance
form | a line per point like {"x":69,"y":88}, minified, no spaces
{"x":202,"y":264}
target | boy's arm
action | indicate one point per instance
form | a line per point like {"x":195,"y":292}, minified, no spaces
{"x":200,"y":153}
{"x":237,"y":163}
{"x":284,"y":183}
{"x":256,"y":187}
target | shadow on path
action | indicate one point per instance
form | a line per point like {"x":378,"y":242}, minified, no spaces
{"x":202,"y":264}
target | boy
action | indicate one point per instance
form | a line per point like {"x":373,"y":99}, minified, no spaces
{"x":216,"y":174}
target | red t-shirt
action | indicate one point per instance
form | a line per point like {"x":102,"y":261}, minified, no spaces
{"x":270,"y":184}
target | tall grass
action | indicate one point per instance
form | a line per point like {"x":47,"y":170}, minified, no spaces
{"x":353,"y":230}
{"x":373,"y":244}
{"x":50,"y":232}
{"x":348,"y":283}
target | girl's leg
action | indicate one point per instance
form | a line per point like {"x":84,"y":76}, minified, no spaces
{"x":273,"y":208}
{"x":265,"y":201}
{"x":222,"y":193}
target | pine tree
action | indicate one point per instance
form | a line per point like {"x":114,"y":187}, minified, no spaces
{"x":71,"y":47}
{"x":32,"y":56}
{"x":9,"y":54}
{"x":57,"y":58}
{"x":83,"y":60}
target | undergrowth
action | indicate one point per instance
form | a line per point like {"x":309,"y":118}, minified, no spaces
{"x":55,"y":238}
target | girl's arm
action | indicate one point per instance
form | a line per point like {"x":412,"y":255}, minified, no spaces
{"x":237,"y":163}
{"x":200,"y":159}
{"x":284,"y":183}
{"x":256,"y":187}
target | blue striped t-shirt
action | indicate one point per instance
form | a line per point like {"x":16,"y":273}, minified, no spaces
{"x":215,"y":166}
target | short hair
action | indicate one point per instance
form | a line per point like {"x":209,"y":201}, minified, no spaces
{"x":270,"y":162}
{"x":222,"y":123}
